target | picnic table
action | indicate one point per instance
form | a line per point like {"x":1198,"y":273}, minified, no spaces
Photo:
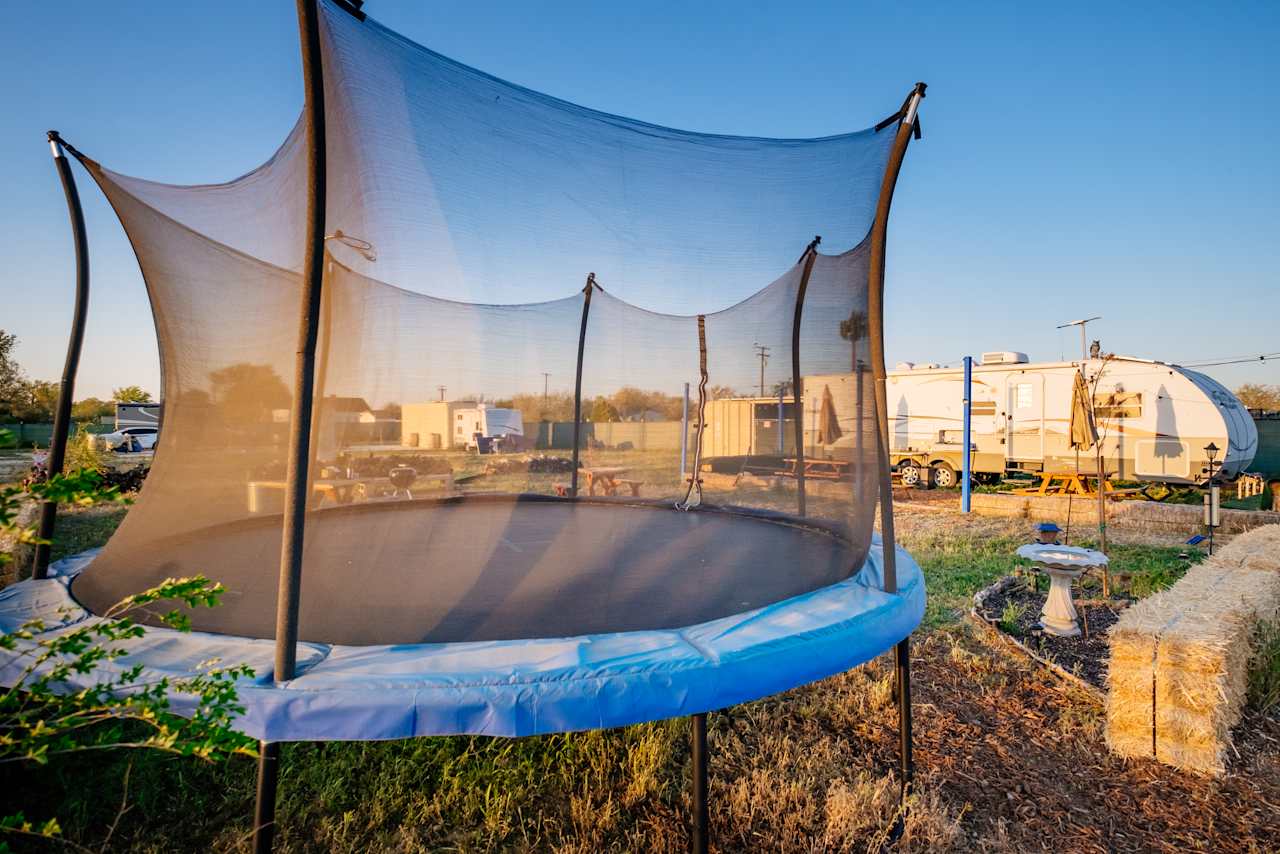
{"x":1075,"y":483}
{"x":609,"y":479}
{"x":340,"y":491}
{"x":336,"y":490}
{"x":819,"y":469}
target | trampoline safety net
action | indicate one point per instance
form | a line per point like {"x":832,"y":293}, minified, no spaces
{"x":464,"y":217}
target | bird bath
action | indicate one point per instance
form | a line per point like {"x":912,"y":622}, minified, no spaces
{"x":1063,"y":565}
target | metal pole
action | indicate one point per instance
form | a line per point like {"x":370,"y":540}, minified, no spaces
{"x":875,"y":325}
{"x":288,"y":595}
{"x":62,"y":416}
{"x":684,"y":436}
{"x":264,"y":812}
{"x":782,"y":433}
{"x":967,"y":474}
{"x":699,"y":835}
{"x":577,"y":383}
{"x":797,"y":388}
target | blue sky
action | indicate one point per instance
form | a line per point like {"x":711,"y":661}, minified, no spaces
{"x":1081,"y":159}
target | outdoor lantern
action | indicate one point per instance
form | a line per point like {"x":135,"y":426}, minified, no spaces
{"x":1047,"y":533}
{"x":1212,"y":499}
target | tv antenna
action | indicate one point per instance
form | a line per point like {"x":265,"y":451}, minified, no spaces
{"x":1084,"y":347}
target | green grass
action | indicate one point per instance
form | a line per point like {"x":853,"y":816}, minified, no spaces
{"x":80,"y":529}
{"x":957,"y":564}
{"x":1264,"y":669}
{"x":456,"y":793}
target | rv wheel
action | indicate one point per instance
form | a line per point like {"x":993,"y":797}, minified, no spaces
{"x":944,"y":475}
{"x":910,"y":473}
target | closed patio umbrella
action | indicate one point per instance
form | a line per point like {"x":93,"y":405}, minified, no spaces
{"x":1084,"y":430}
{"x":828,"y":424}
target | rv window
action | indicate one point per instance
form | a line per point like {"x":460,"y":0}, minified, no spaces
{"x":1024,"y":396}
{"x":1118,"y":404}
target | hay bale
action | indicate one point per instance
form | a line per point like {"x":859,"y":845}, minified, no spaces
{"x":1179,"y":659}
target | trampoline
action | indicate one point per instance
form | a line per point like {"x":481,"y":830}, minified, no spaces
{"x":430,"y":242}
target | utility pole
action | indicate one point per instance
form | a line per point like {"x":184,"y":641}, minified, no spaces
{"x":763,"y":353}
{"x":441,"y":390}
{"x":1084,"y":348}
{"x":546,"y":379}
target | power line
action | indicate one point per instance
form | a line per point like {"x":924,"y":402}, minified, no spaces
{"x":1237,"y":360}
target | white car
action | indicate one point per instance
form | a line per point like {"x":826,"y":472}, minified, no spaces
{"x":140,"y":438}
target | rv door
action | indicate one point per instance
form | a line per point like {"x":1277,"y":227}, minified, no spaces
{"x":1024,"y":418}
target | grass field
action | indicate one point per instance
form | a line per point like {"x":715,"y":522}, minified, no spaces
{"x":1007,"y":757}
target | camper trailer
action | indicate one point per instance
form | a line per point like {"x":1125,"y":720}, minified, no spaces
{"x":485,"y":422}
{"x":1154,"y":420}
{"x":137,"y":415}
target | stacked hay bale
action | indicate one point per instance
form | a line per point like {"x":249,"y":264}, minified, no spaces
{"x":1179,"y":659}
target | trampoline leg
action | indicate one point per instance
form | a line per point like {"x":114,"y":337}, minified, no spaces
{"x":698,"y":842}
{"x":264,"y":811}
{"x":906,"y":764}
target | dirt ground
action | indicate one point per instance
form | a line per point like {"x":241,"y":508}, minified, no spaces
{"x":1023,"y":756}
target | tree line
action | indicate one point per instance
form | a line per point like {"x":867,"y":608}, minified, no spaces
{"x":27,"y":400}
{"x":626,"y":404}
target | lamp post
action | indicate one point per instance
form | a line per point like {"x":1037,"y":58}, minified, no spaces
{"x":1211,"y":500}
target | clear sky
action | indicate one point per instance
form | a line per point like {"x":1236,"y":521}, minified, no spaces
{"x":1078,"y":160}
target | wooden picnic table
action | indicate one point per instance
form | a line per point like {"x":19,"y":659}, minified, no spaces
{"x":340,"y":491}
{"x":819,"y":469}
{"x":337,"y":490}
{"x":1075,"y":483}
{"x":609,"y":478}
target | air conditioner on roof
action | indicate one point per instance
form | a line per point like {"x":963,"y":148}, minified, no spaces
{"x":1004,"y":357}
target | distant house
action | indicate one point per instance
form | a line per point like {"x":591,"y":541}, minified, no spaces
{"x":347,"y":410}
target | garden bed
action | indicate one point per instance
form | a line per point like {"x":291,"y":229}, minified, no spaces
{"x":1011,"y":607}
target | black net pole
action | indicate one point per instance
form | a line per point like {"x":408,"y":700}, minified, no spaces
{"x":699,"y":835}
{"x":62,"y":417}
{"x":296,"y":482}
{"x":264,"y":812}
{"x":577,"y":382}
{"x":810,"y":255}
{"x":875,"y":324}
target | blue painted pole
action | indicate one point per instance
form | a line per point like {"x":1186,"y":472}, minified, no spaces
{"x":966,"y":475}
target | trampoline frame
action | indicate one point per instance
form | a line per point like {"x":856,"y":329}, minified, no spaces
{"x":299,"y":460}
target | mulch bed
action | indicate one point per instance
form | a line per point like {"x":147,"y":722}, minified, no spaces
{"x":1024,"y":757}
{"x":1084,"y":656}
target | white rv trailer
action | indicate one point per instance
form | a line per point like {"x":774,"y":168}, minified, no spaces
{"x":485,"y":421}
{"x":1154,"y":419}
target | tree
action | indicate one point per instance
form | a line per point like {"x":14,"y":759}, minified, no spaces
{"x":12,"y":380}
{"x":1259,"y":395}
{"x":44,"y":399}
{"x":131,"y":394}
{"x":556,"y":406}
{"x":62,"y":700}
{"x":247,"y":394}
{"x":91,"y":409}
{"x":720,"y":392}
{"x":602,"y":410}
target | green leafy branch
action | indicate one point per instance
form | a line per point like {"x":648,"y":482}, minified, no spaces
{"x":74,"y":691}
